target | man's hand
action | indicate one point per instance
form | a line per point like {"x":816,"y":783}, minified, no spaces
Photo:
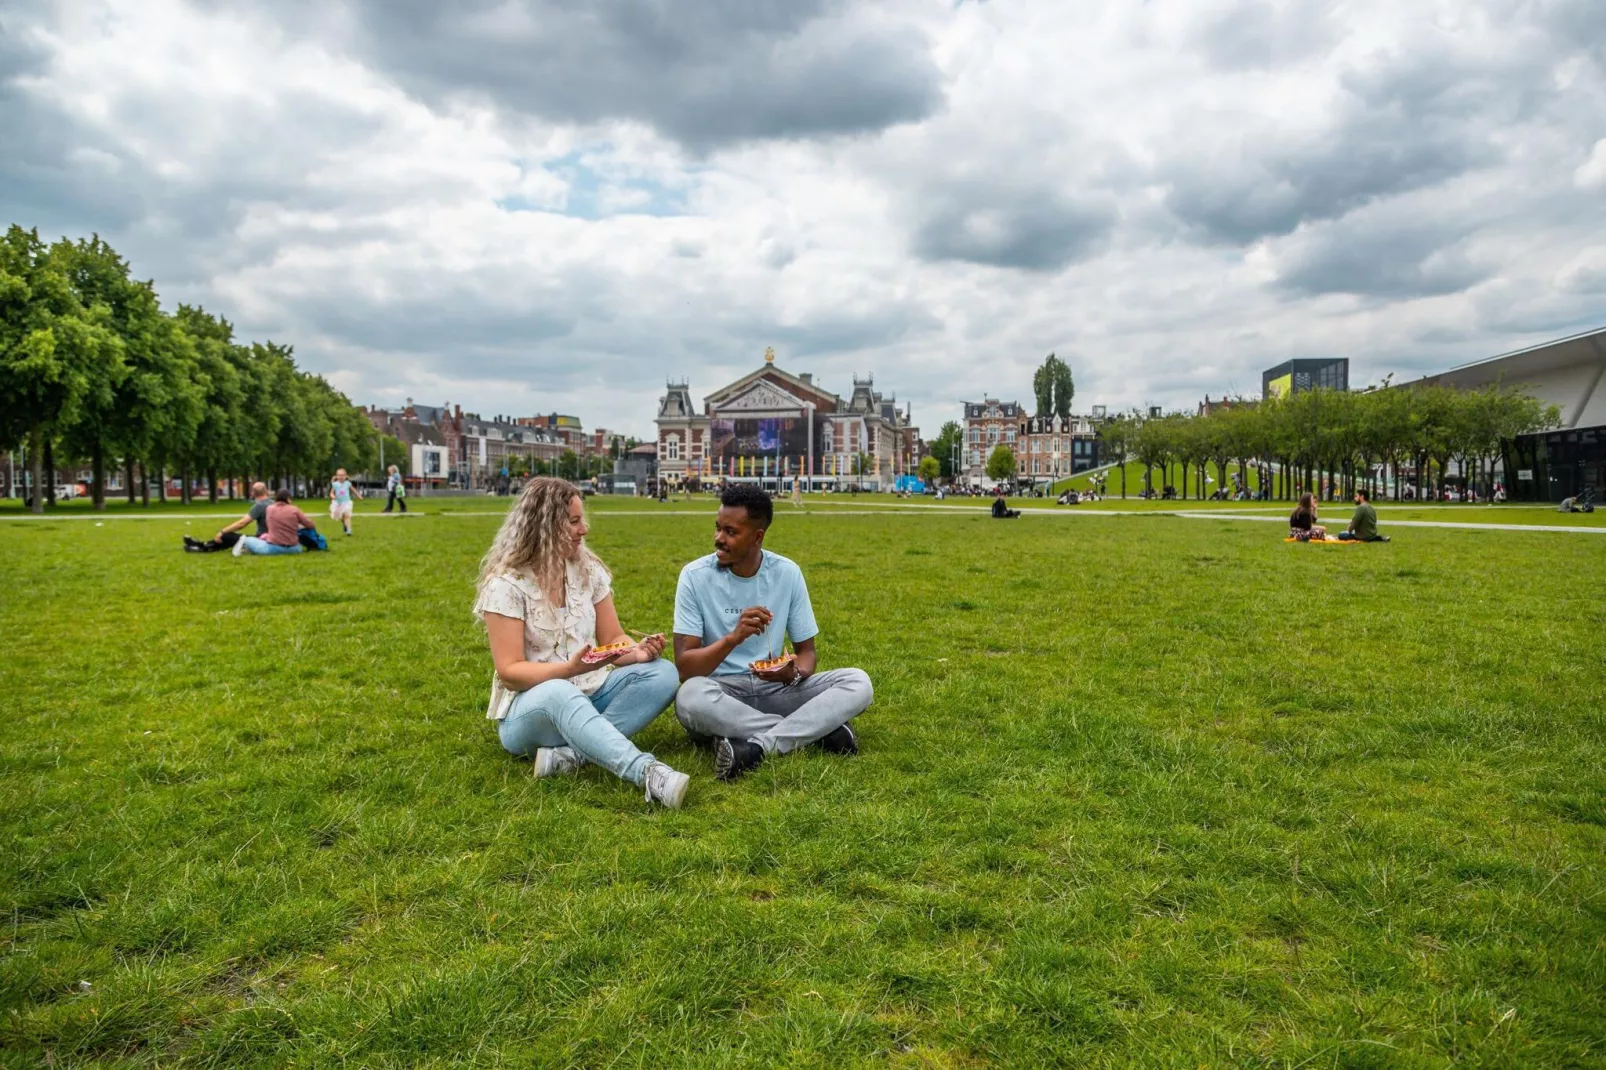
{"x":784,"y":675}
{"x":753,"y":621}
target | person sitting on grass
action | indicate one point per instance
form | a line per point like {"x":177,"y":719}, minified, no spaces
{"x":1001,"y":509}
{"x":1302,"y":522}
{"x":284,"y":521}
{"x":229,"y":536}
{"x":547,"y":600}
{"x":1363,"y":525}
{"x":735,"y":607}
{"x":340,"y":492}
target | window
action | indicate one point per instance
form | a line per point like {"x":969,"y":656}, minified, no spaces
{"x":671,"y":447}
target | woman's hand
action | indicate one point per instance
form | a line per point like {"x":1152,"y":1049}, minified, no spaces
{"x":646,"y":651}
{"x":579,"y":667}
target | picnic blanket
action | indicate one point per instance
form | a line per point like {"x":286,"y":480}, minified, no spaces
{"x":1325,"y":542}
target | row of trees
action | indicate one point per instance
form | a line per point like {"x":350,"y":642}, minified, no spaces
{"x":1375,"y":439}
{"x":93,"y":369}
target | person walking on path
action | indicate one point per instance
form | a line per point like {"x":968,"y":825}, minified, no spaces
{"x":396,"y":488}
{"x":734,"y":608}
{"x":285,"y":521}
{"x":340,"y":492}
{"x":229,"y":536}
{"x":547,"y":601}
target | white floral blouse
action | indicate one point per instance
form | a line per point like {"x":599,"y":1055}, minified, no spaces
{"x":551,"y":632}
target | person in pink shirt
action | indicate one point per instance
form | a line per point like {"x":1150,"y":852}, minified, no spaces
{"x":284,"y":521}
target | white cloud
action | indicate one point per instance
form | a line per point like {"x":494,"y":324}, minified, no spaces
{"x":1173,"y":195}
{"x":1591,"y":174}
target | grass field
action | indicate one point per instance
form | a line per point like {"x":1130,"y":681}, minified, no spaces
{"x":1135,"y":790}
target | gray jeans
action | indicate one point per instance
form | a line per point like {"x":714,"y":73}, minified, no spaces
{"x":778,"y":717}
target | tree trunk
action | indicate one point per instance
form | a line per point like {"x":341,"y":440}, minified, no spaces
{"x":211,"y":485}
{"x":97,"y":488}
{"x":144,"y":487}
{"x":184,"y":485}
{"x":36,"y":467}
{"x":50,"y":472}
{"x":128,"y":479}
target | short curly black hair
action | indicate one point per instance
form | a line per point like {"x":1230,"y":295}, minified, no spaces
{"x":753,"y":498}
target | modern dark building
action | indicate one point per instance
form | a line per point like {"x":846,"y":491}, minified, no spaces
{"x":1569,"y":373}
{"x":1297,"y":376}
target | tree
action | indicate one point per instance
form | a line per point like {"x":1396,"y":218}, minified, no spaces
{"x":948,"y":447}
{"x":1054,"y":388}
{"x":930,"y":469}
{"x":1115,"y":442}
{"x":54,"y":353}
{"x":1001,"y":464}
{"x":394,"y":452}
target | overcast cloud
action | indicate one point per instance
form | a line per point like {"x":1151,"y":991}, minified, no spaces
{"x":536,"y":205}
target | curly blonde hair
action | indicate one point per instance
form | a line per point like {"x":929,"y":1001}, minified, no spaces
{"x":533,"y":536}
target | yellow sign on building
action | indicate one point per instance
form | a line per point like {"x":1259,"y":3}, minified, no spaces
{"x":1280,"y":386}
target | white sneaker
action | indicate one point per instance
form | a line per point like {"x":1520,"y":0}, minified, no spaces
{"x":555,"y":761}
{"x":665,"y":786}
{"x":239,"y":549}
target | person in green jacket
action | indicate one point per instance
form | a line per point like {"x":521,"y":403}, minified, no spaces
{"x":1363,"y":525}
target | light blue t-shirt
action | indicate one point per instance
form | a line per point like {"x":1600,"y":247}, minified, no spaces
{"x":710,"y":599}
{"x":342,"y":489}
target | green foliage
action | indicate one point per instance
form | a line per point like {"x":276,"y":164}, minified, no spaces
{"x":1344,"y":434}
{"x":1111,"y":808}
{"x":930,"y":469}
{"x":943,"y":448}
{"x":1053,"y":387}
{"x":90,"y":363}
{"x":1001,"y":464}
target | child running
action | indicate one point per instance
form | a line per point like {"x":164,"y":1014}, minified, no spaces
{"x":340,"y":492}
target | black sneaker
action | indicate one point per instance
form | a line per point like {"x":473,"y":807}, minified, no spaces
{"x":839,"y":741}
{"x":733,"y":757}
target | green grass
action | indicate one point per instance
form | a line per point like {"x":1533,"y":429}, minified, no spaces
{"x":1134,"y":790}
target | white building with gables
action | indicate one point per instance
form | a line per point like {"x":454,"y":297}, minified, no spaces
{"x":772,"y":427}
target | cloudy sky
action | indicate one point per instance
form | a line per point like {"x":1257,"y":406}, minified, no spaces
{"x":528,"y":205}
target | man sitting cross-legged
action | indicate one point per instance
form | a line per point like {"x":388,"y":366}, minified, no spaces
{"x":1363,"y":526}
{"x":737,"y":606}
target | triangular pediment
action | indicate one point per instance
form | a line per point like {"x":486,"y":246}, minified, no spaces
{"x":762,"y":396}
{"x":799,"y":389}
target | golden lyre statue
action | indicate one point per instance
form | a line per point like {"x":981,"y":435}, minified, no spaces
{"x":769,"y":354}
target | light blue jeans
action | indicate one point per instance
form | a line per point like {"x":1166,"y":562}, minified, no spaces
{"x":254,"y":545}
{"x":599,"y":726}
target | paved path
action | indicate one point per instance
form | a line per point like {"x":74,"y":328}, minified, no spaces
{"x":873,"y":510}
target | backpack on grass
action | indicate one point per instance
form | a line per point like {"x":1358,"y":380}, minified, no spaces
{"x":312,"y":539}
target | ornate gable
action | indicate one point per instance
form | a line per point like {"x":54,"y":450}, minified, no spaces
{"x":800,"y":390}
{"x":765,"y":397}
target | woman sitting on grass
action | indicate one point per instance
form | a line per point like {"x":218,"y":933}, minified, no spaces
{"x":547,"y":600}
{"x":284,"y":523}
{"x":1302,"y":522}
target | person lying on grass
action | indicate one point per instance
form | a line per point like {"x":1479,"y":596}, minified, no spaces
{"x":1363,"y":525}
{"x":735,"y":608}
{"x":228,"y":536}
{"x":285,"y":522}
{"x":547,"y":601}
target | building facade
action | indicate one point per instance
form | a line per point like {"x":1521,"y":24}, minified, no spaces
{"x":988,"y":423}
{"x":1569,"y":373}
{"x":1048,"y":448}
{"x":773,"y":427}
{"x":1298,"y":376}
